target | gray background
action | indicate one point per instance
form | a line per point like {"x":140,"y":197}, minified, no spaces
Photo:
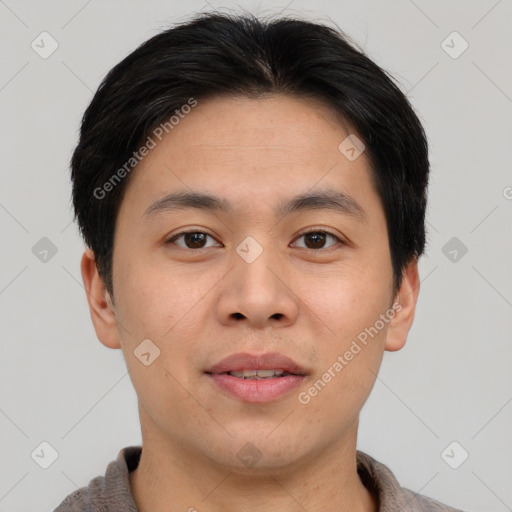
{"x":452,"y":381}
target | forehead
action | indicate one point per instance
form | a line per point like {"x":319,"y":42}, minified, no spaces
{"x":259,"y":123}
{"x":251,"y":149}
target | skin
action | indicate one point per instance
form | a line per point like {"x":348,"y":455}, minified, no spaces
{"x":299,"y":297}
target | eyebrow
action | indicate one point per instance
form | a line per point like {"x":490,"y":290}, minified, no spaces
{"x":327,"y":199}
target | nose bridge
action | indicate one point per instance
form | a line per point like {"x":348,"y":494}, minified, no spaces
{"x":257,"y":290}
{"x":256,"y":265}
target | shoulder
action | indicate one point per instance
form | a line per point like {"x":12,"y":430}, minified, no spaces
{"x":391,"y":496}
{"x":75,"y":502}
{"x":95,"y":497}
{"x":110,"y":492}
{"x":422,"y":503}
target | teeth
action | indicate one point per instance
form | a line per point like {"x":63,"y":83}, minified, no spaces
{"x":255,"y":374}
{"x":269,"y":373}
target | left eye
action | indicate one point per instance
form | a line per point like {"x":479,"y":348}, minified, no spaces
{"x":317,"y":238}
{"x":197,"y":239}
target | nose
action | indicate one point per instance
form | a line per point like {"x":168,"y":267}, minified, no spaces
{"x":258,"y":293}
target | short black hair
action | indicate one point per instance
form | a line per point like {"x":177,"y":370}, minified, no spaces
{"x":217,"y":54}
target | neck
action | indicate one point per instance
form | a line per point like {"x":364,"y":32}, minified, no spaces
{"x":170,"y":474}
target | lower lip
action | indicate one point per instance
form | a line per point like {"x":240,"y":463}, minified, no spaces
{"x":257,"y":390}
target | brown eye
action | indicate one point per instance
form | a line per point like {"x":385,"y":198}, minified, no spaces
{"x":317,"y":239}
{"x":192,"y":239}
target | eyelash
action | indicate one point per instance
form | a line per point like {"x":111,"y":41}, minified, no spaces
{"x":181,"y":233}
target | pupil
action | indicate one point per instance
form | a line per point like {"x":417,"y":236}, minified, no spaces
{"x":320,"y":237}
{"x":192,"y":239}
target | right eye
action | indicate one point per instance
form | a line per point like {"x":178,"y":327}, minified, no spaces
{"x":192,"y":239}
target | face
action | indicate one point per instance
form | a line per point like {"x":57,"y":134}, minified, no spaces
{"x":253,"y":277}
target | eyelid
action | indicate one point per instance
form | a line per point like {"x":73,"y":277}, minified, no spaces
{"x":170,"y":238}
{"x":319,"y":229}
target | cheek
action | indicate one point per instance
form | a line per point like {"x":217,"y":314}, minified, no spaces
{"x":153,"y":306}
{"x":345,"y":306}
{"x":165,"y":306}
{"x":351,"y":339}
{"x":150,"y":296}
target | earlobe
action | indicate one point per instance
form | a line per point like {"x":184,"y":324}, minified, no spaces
{"x":405,"y":306}
{"x":100,"y":304}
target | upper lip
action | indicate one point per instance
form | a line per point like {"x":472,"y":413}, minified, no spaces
{"x":246,"y":361}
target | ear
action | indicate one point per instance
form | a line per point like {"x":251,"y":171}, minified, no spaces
{"x":404,"y":306}
{"x":100,"y":305}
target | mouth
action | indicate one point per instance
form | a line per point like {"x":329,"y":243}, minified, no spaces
{"x":259,"y":374}
{"x":256,"y":378}
{"x":263,"y":366}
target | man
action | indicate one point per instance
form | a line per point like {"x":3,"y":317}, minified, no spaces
{"x":252,"y":195}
